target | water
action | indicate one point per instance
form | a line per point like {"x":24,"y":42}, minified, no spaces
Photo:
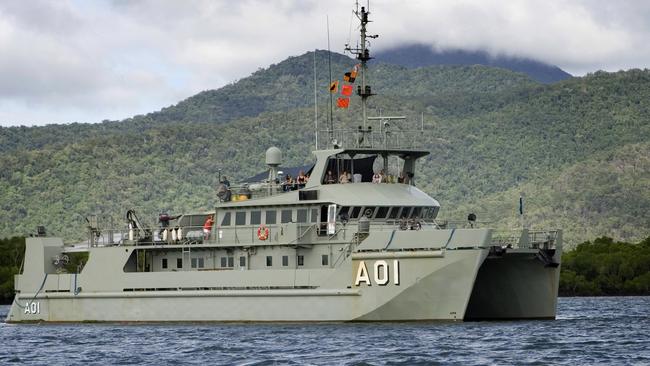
{"x":587,"y":331}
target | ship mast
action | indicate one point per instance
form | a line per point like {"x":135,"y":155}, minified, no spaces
{"x":363,"y":54}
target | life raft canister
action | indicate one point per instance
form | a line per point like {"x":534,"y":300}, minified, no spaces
{"x":263,"y":232}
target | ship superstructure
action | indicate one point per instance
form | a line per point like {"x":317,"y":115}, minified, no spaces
{"x":355,"y":241}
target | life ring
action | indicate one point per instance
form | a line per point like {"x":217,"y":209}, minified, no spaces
{"x":263,"y":232}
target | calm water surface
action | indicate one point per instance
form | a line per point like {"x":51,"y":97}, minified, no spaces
{"x":588,"y":331}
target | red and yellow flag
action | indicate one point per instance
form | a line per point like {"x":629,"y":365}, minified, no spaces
{"x":350,"y":76}
{"x":334,"y":86}
{"x":343,"y":102}
{"x":346,"y":90}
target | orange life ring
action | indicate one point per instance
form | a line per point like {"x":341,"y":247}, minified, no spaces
{"x":263,"y":232}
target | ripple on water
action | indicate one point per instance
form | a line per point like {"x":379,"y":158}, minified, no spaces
{"x":587,"y":331}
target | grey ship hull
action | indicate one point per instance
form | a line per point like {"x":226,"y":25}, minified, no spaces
{"x":456,"y":277}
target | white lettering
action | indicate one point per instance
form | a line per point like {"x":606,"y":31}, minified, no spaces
{"x":383,"y":280}
{"x":362,"y":274}
{"x":33,"y":307}
{"x":396,"y":272}
{"x":381,"y":275}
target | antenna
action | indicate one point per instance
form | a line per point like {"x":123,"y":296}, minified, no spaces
{"x":315,"y":104}
{"x":329,"y":61}
{"x":363,"y":54}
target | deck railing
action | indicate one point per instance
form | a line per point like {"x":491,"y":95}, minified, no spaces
{"x":385,"y":139}
{"x":526,"y":239}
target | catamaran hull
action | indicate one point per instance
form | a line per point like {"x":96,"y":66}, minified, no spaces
{"x":419,"y":285}
{"x":515,"y":285}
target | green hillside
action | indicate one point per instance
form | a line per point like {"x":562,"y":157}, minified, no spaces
{"x":577,"y":148}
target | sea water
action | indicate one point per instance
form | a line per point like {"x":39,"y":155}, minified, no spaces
{"x":588,"y":331}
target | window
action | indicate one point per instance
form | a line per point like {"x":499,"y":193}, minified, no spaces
{"x":194,"y":262}
{"x":355,"y":212}
{"x":302,"y":215}
{"x":269,"y":261}
{"x":224,"y":262}
{"x":179,"y":262}
{"x":256,"y":217}
{"x":433,"y":212}
{"x":324,"y":259}
{"x":201,"y":263}
{"x":231,"y":262}
{"x":405,"y":212}
{"x":242,"y":261}
{"x":240,"y":218}
{"x":301,"y":260}
{"x":314,"y":215}
{"x":381,"y":212}
{"x":425,"y":212}
{"x":226,"y":219}
{"x":164,"y":263}
{"x":416,"y":212}
{"x":344,"y":210}
{"x":286,"y":216}
{"x":394,"y":212}
{"x":285,"y":260}
{"x":271,"y":217}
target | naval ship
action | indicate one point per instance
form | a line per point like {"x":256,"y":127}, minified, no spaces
{"x":357,"y":241}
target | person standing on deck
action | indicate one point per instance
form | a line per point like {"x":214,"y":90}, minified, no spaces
{"x":207,"y":227}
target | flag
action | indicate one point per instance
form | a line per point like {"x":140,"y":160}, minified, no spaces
{"x":350,"y":76}
{"x":346,"y":90}
{"x":334,"y":86}
{"x":343,"y":102}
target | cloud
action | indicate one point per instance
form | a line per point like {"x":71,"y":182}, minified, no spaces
{"x":65,"y":61}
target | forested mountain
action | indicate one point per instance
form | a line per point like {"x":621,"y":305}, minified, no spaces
{"x":577,"y":148}
{"x":420,"y":55}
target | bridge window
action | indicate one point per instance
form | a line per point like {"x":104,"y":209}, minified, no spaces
{"x":285,"y":261}
{"x":226,"y":219}
{"x":269,"y":261}
{"x":301,"y":260}
{"x":394,"y":212}
{"x":242,"y":261}
{"x":240,"y":218}
{"x":324,"y":259}
{"x":368,"y":212}
{"x":224,"y":262}
{"x":286,"y":216}
{"x":405,"y":212}
{"x":355,"y":212}
{"x":179,"y":262}
{"x":256,"y":217}
{"x":271,"y":217}
{"x":302,"y":215}
{"x":314,"y":215}
{"x":381,"y":212}
{"x":164,"y":263}
{"x":416,"y":212}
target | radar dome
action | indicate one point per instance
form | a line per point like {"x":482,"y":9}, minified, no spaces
{"x":273,"y":156}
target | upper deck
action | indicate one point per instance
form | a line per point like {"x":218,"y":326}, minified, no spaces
{"x":356,"y":174}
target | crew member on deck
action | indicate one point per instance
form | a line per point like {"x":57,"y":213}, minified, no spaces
{"x":330,"y":178}
{"x":164,"y":220}
{"x":301,"y":179}
{"x":345,"y":177}
{"x":207,"y":227}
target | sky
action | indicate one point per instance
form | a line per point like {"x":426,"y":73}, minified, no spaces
{"x":64,"y":61}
